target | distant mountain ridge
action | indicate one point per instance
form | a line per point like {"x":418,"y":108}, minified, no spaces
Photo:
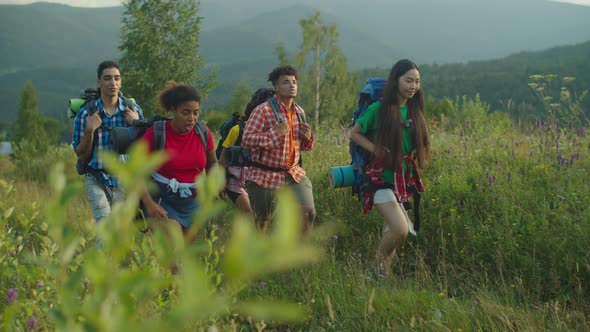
{"x":60,"y":46}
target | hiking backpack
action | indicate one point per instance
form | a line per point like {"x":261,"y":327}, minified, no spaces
{"x":87,"y":98}
{"x":371,"y":93}
{"x":224,"y":131}
{"x":236,"y":155}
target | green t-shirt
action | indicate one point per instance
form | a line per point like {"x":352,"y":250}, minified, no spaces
{"x":369,"y":124}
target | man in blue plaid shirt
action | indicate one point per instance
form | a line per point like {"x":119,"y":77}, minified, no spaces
{"x":91,"y":137}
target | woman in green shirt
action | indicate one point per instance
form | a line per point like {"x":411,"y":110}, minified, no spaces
{"x":393,"y":130}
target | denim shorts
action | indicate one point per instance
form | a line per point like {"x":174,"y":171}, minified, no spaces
{"x":181,"y":209}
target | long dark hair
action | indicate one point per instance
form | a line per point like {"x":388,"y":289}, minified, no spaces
{"x":390,"y":119}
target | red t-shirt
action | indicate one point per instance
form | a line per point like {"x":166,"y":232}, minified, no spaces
{"x":186,"y":153}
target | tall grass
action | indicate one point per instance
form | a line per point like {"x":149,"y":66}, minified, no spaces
{"x":504,"y":243}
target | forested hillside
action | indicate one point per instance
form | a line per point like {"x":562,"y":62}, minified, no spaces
{"x":499,"y":81}
{"x":60,"y":46}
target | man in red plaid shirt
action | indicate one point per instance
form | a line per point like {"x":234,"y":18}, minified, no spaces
{"x":275,"y":142}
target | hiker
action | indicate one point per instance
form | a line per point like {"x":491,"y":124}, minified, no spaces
{"x":393,"y":130}
{"x":275,"y":146}
{"x":175,"y":200}
{"x":91,"y":138}
{"x":234,"y":185}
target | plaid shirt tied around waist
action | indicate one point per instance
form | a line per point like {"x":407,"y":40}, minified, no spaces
{"x":402,"y":179}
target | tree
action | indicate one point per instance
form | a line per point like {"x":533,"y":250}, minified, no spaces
{"x":30,"y":123}
{"x":281,"y":53}
{"x":326,"y":78}
{"x":160,"y":42}
{"x":241,"y":96}
{"x":339,"y":90}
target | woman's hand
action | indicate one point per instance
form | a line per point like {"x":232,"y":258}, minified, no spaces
{"x":154,"y":210}
{"x":380,"y":151}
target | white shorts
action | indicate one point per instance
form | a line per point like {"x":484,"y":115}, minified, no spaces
{"x":384,"y":196}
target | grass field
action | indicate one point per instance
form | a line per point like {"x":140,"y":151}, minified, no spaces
{"x":504,"y":246}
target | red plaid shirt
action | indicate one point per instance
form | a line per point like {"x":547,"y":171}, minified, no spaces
{"x":270,"y":149}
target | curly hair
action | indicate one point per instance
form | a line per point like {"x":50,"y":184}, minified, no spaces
{"x":279,"y":71}
{"x":175,"y":94}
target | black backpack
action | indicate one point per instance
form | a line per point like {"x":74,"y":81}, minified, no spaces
{"x":122,"y":138}
{"x":236,"y":155}
{"x":224,"y":131}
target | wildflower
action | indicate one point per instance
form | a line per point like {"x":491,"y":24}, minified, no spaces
{"x":33,"y":324}
{"x":12,"y":295}
{"x":262,"y":284}
{"x":39,"y":284}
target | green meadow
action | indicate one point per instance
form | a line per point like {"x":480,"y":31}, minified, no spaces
{"x":504,"y":244}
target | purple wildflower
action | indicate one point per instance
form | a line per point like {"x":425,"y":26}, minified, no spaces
{"x":581,"y":132}
{"x":39,"y":284}
{"x":549,"y":123}
{"x":33,"y":324}
{"x":467,"y":123}
{"x":262,"y":284}
{"x":12,"y":295}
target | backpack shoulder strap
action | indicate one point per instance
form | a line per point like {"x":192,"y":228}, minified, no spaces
{"x":159,"y":135}
{"x":91,"y":107}
{"x":276,"y":108}
{"x":201,"y":130}
{"x":129,"y":103}
{"x":300,"y":114}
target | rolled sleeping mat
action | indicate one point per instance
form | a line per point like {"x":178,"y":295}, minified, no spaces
{"x":75,"y":105}
{"x":341,"y":176}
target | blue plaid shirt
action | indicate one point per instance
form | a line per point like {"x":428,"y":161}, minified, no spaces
{"x":101,"y":140}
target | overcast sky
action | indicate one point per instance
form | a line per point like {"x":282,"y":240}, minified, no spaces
{"x":110,"y":3}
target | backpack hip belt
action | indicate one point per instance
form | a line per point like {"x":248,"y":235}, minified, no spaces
{"x":272,"y":169}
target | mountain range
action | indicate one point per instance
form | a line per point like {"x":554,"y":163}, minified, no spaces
{"x":58,"y":47}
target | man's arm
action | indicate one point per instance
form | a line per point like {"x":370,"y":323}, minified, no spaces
{"x":84,"y":128}
{"x":131,"y":115}
{"x":210,"y":153}
{"x":259,"y":136}
{"x":306,"y":136}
